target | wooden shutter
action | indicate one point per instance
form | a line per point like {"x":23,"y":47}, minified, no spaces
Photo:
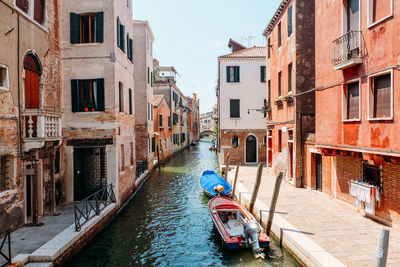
{"x":228,"y":74}
{"x":38,"y":11}
{"x":237,"y":74}
{"x":262,"y":74}
{"x":289,"y":14}
{"x":153,"y":144}
{"x":131,"y":44}
{"x":130,"y":101}
{"x":128,"y":51}
{"x":22,"y":4}
{"x":280,"y":84}
{"x":353,"y":101}
{"x":31,"y":89}
{"x":235,"y":108}
{"x":75,"y":95}
{"x":100,"y":94}
{"x":99,"y":27}
{"x":382,"y":96}
{"x":160,"y":120}
{"x":74,"y":28}
{"x":118,"y":32}
{"x":123,"y":38}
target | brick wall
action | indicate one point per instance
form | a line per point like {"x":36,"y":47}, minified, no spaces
{"x":141,"y":142}
{"x":347,"y":168}
{"x":390,"y":206}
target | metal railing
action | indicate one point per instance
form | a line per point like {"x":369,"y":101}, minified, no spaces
{"x":5,"y":238}
{"x":92,"y":206}
{"x":141,"y":167}
{"x":347,"y":47}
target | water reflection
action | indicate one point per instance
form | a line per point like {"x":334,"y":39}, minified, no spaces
{"x":167,"y":224}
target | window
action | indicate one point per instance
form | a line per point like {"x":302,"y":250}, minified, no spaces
{"x":235,"y":108}
{"x":152,"y":118}
{"x":235,"y":141}
{"x":148,"y":75}
{"x":379,"y":10}
{"x":290,"y":73}
{"x":265,"y":112}
{"x":4,"y":84}
{"x":120,"y":35}
{"x":132,"y":155}
{"x":279,"y":35}
{"x":290,"y":135}
{"x":371,"y":174}
{"x":381,"y":96}
{"x":351,"y":101}
{"x":232,"y":74}
{"x":279,"y":140}
{"x":87,"y":95}
{"x":129,"y":48}
{"x":86,"y":28}
{"x":279,"y":84}
{"x":289,"y":21}
{"x":153,"y":144}
{"x":130,"y":102}
{"x":269,"y":92}
{"x":38,"y":11}
{"x":269,"y":48}
{"x":160,"y":120}
{"x":122,"y":159}
{"x":265,"y":140}
{"x":175,"y":118}
{"x":148,"y":111}
{"x":169,"y":121}
{"x":22,"y":4}
{"x":262,"y":73}
{"x":5,"y":173}
{"x":121,"y":97}
{"x":151,"y":79}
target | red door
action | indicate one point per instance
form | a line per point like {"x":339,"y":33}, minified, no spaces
{"x":31,"y":89}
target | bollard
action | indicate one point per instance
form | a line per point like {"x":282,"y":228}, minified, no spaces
{"x":382,"y":248}
{"x":273,"y":202}
{"x":256,"y":187}
{"x":235,"y":181}
{"x":228,"y":157}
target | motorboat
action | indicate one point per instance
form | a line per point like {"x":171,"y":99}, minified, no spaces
{"x":214,"y":185}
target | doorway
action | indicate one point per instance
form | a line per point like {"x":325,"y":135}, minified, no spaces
{"x":269,"y":148}
{"x":28,"y":195}
{"x":251,"y":149}
{"x":90,"y":174}
{"x":318,"y":172}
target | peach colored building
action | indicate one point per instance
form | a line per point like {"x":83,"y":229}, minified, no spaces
{"x":357,"y":100}
{"x":161,"y":141}
{"x":289,"y":73}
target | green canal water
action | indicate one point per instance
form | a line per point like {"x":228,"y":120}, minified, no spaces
{"x":167,"y":224}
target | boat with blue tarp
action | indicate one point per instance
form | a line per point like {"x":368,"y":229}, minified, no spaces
{"x":214,"y":185}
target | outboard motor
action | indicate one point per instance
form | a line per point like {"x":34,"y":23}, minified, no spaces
{"x":251,"y":231}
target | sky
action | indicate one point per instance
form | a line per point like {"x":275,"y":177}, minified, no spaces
{"x":190,"y":35}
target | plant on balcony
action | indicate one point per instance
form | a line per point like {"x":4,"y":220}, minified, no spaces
{"x":288,"y":99}
{"x":267,"y":107}
{"x":278,"y":102}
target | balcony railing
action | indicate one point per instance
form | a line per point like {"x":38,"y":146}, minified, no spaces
{"x":347,"y":50}
{"x":40,"y":124}
{"x":5,"y":248}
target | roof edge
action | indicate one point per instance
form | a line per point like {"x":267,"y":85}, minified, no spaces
{"x":275,"y":17}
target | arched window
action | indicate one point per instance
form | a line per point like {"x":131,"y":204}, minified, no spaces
{"x":235,"y":141}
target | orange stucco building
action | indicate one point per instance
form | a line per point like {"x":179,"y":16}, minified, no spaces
{"x":357,"y":100}
{"x":162,"y":133}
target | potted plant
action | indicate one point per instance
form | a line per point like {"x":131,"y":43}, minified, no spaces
{"x":267,"y":107}
{"x":288,"y":99}
{"x":278,"y":102}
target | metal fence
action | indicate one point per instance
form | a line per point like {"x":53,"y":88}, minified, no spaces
{"x":141,"y":167}
{"x":5,"y":257}
{"x":347,"y":47}
{"x":93,"y":205}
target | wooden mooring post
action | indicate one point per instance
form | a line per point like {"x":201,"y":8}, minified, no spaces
{"x":235,"y":181}
{"x":273,"y":202}
{"x":256,"y":187}
{"x":228,"y":158}
{"x":382,"y":248}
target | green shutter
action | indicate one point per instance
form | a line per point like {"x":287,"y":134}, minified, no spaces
{"x":118,"y":32}
{"x":290,"y":18}
{"x":75,"y":95}
{"x":99,"y":26}
{"x":262,"y":72}
{"x":237,"y":74}
{"x":153,"y":144}
{"x":123,"y":38}
{"x":228,"y":76}
{"x":74,"y":28}
{"x":100,"y":94}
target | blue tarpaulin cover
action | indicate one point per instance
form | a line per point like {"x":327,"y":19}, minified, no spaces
{"x":210,"y":179}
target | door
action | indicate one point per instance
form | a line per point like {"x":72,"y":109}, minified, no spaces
{"x":269,"y":148}
{"x":28,"y":196}
{"x":290,"y":145}
{"x":251,"y":149}
{"x":90,"y":173}
{"x":318,"y":172}
{"x":31,"y":89}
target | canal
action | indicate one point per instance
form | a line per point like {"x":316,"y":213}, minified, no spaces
{"x":167,"y":224}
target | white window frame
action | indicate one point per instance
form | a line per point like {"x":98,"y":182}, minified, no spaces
{"x":371,"y":13}
{"x":344,"y":100}
{"x":29,"y":14}
{"x":7,"y":87}
{"x":371,"y":95}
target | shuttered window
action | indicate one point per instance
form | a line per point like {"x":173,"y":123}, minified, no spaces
{"x":235,"y":108}
{"x":152,"y":110}
{"x":129,"y":48}
{"x":262,"y":74}
{"x":380,"y":9}
{"x":153,"y":144}
{"x":353,"y":101}
{"x":120,"y":35}
{"x":160,"y":120}
{"x":269,"y":92}
{"x":175,"y":118}
{"x":382,"y":96}
{"x":87,"y":95}
{"x":121,"y":97}
{"x":232,"y":74}
{"x":280,"y":83}
{"x":290,"y":73}
{"x":269,"y":48}
{"x":86,"y":28}
{"x":279,"y":35}
{"x":22,"y":4}
{"x":289,"y":21}
{"x":38,"y":11}
{"x":5,"y":173}
{"x":130,"y":102}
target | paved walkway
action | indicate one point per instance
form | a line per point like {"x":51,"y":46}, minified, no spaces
{"x":27,"y":239}
{"x":337,"y":228}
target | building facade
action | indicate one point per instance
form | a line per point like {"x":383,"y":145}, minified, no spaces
{"x":357,"y":122}
{"x":161,"y":142}
{"x":98,"y":86}
{"x":241,"y":95}
{"x":290,"y":65}
{"x":31,"y":165}
{"x":193,"y":119}
{"x":143,"y":53}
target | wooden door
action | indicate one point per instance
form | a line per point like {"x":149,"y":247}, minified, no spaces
{"x":318,"y":172}
{"x":31,"y":89}
{"x":251,"y":149}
